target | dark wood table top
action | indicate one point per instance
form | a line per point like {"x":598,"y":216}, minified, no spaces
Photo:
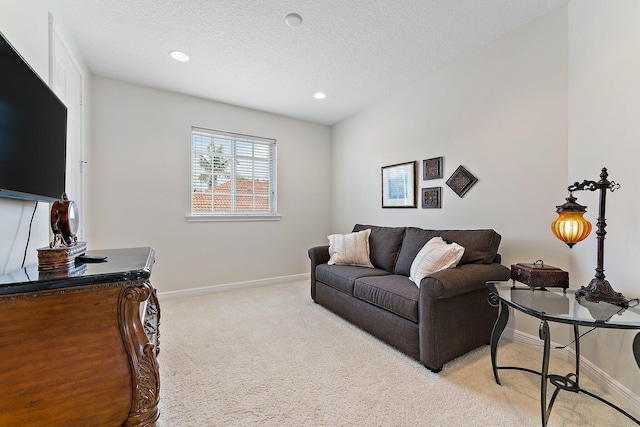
{"x":120,"y":265}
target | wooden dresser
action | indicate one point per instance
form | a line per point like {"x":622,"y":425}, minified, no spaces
{"x":80,"y":349}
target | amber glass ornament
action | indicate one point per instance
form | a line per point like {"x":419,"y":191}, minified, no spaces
{"x":571,"y":227}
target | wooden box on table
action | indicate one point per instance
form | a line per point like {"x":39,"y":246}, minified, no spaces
{"x":538,"y":275}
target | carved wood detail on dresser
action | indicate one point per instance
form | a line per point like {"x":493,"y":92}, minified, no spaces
{"x":81,"y":350}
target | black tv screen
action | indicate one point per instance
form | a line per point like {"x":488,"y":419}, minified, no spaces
{"x":33,"y":132}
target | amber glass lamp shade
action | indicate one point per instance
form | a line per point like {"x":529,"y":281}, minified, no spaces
{"x":571,"y":227}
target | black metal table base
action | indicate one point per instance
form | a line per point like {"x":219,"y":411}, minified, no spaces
{"x":569,"y":382}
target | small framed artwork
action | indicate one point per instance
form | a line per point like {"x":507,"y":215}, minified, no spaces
{"x":461,"y":181}
{"x":431,"y":198}
{"x":432,"y":168}
{"x":399,"y":186}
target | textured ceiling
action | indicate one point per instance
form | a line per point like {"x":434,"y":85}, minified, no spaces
{"x":243,"y":53}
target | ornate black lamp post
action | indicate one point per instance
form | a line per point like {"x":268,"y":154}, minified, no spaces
{"x":571,"y":227}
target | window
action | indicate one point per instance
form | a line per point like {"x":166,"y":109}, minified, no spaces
{"x":232,"y":174}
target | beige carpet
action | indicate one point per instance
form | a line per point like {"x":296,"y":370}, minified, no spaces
{"x":269,"y":356}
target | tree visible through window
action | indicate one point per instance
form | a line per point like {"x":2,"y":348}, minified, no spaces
{"x":232,"y":174}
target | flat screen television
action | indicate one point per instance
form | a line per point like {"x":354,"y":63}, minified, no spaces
{"x":33,"y":132}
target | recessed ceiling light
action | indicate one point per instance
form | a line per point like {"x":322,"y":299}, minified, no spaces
{"x":320,"y":95}
{"x":293,"y":19}
{"x":179,"y":56}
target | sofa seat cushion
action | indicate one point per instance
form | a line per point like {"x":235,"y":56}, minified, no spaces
{"x":397,"y":294}
{"x":342,"y":277}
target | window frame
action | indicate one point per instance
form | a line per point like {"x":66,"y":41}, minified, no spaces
{"x":234,"y":156}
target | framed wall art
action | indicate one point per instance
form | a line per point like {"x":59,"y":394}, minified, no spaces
{"x":461,"y":181}
{"x":399,"y":186}
{"x":432,"y":168}
{"x":431,"y":198}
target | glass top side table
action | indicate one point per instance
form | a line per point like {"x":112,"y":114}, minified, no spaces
{"x":560,"y":307}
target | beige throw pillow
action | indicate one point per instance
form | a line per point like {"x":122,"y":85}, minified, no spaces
{"x":434,"y":256}
{"x":350,"y":249}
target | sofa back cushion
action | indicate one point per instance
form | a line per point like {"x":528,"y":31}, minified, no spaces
{"x":480,"y":246}
{"x":384,"y":245}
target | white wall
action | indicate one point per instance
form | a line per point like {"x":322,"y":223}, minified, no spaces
{"x":26,"y":25}
{"x":139,"y":185}
{"x":501,"y":113}
{"x":604,"y":131}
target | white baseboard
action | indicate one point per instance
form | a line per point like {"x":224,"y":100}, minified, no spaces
{"x":628,"y":400}
{"x":184,"y":293}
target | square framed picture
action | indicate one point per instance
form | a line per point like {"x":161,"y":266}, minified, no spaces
{"x":461,"y":181}
{"x":432,"y":168}
{"x":431,"y":198}
{"x":399,"y":186}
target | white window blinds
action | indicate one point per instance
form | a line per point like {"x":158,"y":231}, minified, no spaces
{"x":232,"y":174}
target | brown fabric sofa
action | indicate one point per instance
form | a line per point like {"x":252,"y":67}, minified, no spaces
{"x":446,"y":317}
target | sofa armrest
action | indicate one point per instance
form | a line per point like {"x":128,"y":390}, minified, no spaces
{"x":462,"y":279}
{"x":318,"y":255}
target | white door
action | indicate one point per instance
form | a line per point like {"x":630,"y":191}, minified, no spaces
{"x":66,"y":80}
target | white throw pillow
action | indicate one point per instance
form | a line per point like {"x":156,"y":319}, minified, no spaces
{"x":350,"y":249}
{"x":434,"y":256}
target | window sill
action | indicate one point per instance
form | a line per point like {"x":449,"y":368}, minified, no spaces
{"x":232,"y":218}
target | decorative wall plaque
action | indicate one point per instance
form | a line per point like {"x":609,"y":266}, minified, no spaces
{"x":461,"y":181}
{"x":432,"y":168}
{"x":431,"y":198}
